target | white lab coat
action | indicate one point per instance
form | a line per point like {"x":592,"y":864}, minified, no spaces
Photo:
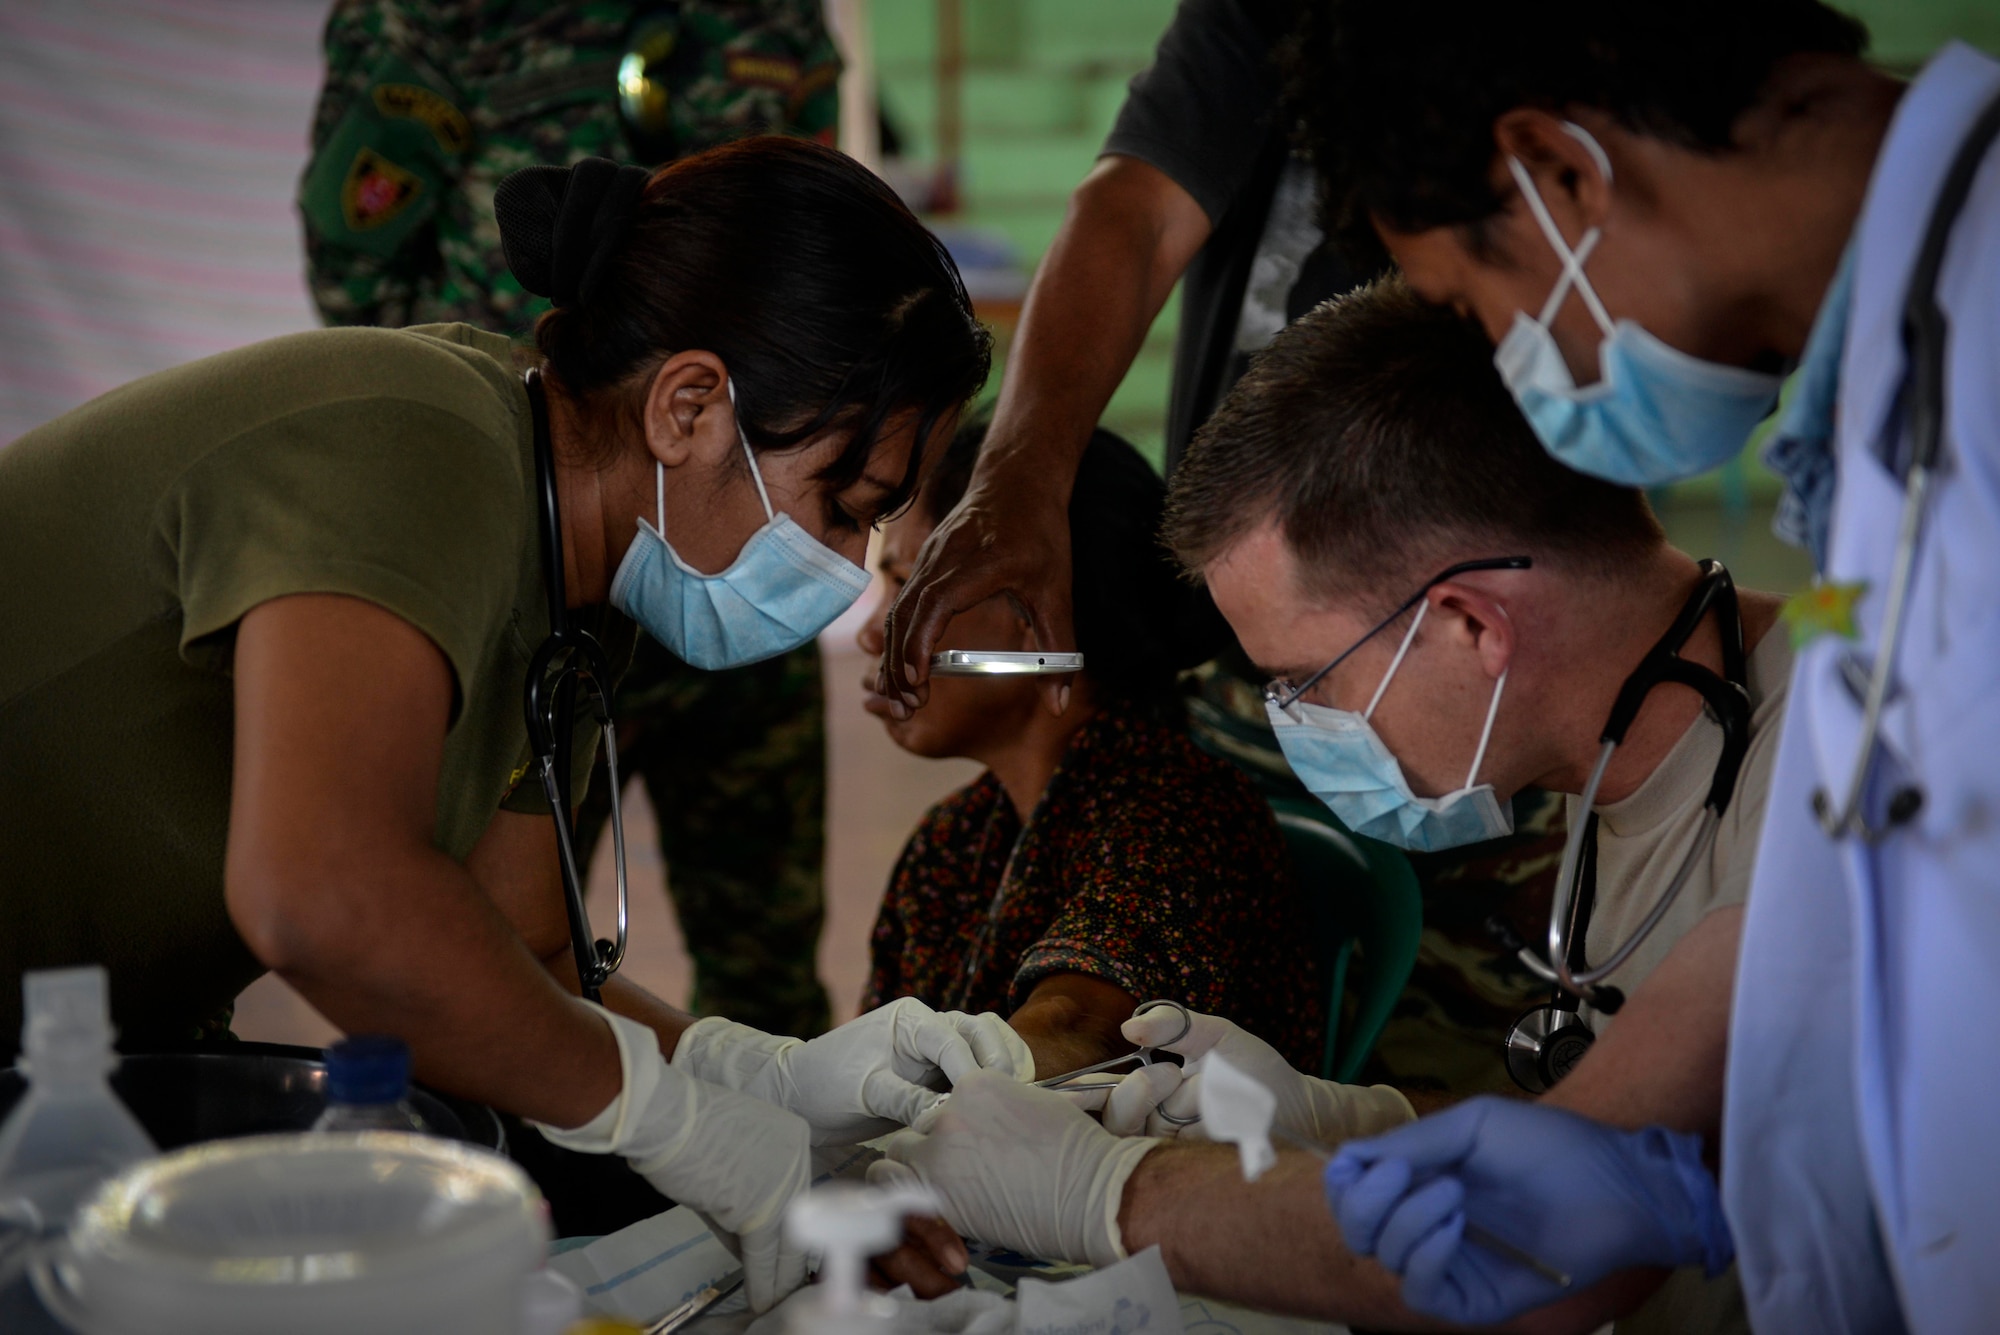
{"x":1862,"y":1137}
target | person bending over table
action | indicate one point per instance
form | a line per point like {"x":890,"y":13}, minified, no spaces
{"x":1102,"y":859}
{"x":269,"y":617}
{"x":1370,"y":453}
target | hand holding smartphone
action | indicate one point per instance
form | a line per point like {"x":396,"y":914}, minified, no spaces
{"x":993,"y":662}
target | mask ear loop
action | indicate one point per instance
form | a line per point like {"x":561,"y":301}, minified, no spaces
{"x":1409,"y":638}
{"x":1572,"y":260}
{"x":756,"y":474}
{"x":659,"y":500}
{"x":1486,"y":733}
{"x":659,"y":525}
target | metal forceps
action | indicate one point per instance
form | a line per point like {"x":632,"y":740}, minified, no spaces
{"x":1139,"y":1056}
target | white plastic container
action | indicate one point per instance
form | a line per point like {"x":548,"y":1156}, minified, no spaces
{"x":313,"y":1234}
{"x":67,"y":1133}
{"x":70,"y":1132}
{"x":847,"y":1223}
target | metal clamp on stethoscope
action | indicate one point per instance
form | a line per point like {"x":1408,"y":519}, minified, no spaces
{"x":1925,"y":330}
{"x":1551,"y":1039}
{"x":570,"y":657}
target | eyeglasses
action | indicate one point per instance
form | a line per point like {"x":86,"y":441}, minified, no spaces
{"x":1282,"y":693}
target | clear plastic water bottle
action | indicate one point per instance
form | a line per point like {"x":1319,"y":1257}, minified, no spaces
{"x":69,"y":1132}
{"x":368,"y":1087}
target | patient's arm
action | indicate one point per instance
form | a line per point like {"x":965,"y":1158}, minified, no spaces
{"x":1071,"y":1020}
{"x":1274,"y":1244}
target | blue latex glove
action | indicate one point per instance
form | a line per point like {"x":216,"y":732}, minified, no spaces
{"x":1583,"y":1197}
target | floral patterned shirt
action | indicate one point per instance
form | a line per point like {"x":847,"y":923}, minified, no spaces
{"x":1147,"y":863}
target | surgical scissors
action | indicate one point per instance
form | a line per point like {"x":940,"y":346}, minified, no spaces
{"x":1141,"y":1056}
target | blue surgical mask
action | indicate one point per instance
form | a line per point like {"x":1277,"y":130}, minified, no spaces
{"x":782,"y":589}
{"x":1341,"y":759}
{"x":1656,"y":414}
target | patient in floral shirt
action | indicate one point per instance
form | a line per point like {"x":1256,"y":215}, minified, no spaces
{"x":1103,"y":859}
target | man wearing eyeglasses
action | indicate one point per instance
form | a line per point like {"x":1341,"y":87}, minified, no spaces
{"x":1452,"y":616}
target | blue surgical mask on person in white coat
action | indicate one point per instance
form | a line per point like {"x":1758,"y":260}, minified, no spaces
{"x":783,"y":588}
{"x":1343,"y":762}
{"x":1656,"y":414}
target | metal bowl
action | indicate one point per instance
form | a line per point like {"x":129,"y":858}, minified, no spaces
{"x":223,"y":1090}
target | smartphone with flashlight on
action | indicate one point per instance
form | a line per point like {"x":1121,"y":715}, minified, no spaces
{"x":996,"y":663}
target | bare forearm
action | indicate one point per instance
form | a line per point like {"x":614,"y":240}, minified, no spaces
{"x":1127,"y":237}
{"x":1269,"y":1244}
{"x":1661,"y":1063}
{"x":1273,"y":1245}
{"x":335,"y":883}
{"x":635,"y":1002}
{"x":424,"y":956}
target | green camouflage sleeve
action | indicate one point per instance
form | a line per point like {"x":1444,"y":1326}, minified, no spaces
{"x":388,"y":138}
{"x":815,"y":111}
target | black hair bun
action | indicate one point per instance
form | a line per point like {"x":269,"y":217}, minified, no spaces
{"x":561,"y":226}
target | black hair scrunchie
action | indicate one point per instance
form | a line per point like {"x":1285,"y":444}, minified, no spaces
{"x":560,"y":226}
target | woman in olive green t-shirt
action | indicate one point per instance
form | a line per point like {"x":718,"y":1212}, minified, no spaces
{"x":267,"y":619}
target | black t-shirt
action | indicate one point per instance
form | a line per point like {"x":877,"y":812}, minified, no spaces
{"x":1206,"y":114}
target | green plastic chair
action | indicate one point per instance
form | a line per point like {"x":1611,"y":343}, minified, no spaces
{"x":1363,"y":905}
{"x":1366,"y":916}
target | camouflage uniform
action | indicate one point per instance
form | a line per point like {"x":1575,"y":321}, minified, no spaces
{"x":427,"y":105}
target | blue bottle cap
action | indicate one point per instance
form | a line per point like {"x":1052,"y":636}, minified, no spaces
{"x":370,"y":1068}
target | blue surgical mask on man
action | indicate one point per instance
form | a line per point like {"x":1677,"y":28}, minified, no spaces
{"x":783,"y":588}
{"x":1339,"y":757}
{"x":1656,"y":414}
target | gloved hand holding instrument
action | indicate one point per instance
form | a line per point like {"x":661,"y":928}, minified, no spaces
{"x":726,"y":1127}
{"x":1020,"y":1167}
{"x":1162,"y":1099}
{"x":1563,"y":1195}
{"x":866,"y":1078}
{"x":736,"y":1160}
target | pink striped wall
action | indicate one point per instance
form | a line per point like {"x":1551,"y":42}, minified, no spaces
{"x":149,"y":152}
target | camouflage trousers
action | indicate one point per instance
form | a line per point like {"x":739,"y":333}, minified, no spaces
{"x":735,"y":765}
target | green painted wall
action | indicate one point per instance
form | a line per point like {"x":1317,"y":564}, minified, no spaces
{"x":1044,"y":79}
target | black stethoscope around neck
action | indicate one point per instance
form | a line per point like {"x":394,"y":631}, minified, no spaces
{"x":1549,"y":1040}
{"x":570,"y":657}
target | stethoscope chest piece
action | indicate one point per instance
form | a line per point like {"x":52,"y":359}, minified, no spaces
{"x":1545,"y":1045}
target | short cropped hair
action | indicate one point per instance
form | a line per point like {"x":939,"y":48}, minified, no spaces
{"x":1398,"y":100}
{"x":1377,"y":433}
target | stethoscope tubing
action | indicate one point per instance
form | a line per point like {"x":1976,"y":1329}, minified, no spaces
{"x":1925,"y":331}
{"x":570,"y":655}
{"x":1727,"y":698}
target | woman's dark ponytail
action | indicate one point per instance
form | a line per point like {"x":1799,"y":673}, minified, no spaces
{"x":832,"y":306}
{"x":561,"y":226}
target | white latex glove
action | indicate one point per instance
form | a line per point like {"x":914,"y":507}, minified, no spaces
{"x":1319,"y":1110}
{"x":736,"y":1160}
{"x":1022,"y":1167}
{"x":866,"y":1078}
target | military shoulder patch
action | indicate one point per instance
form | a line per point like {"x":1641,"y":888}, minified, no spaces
{"x":445,"y":121}
{"x":376,"y":191}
